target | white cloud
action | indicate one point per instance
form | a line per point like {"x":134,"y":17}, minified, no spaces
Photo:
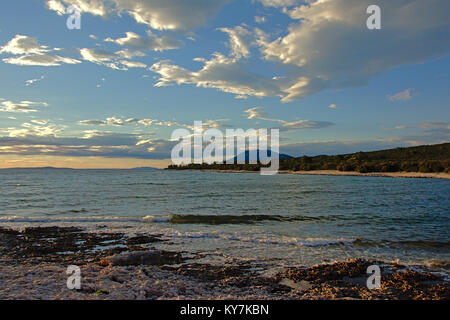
{"x":334,"y":106}
{"x":33,"y":130}
{"x":33,"y":81}
{"x":41,"y":122}
{"x":220,"y":72}
{"x":110,"y":59}
{"x":256,"y":113}
{"x":239,"y":41}
{"x":402,"y":96}
{"x":56,"y":6}
{"x":157,"y":14}
{"x":260,"y":19}
{"x":22,"y":106}
{"x":279,"y":3}
{"x":119,"y":121}
{"x":21,"y":44}
{"x":92,"y":122}
{"x":331,"y":47}
{"x":151,"y":42}
{"x":43,"y":60}
{"x":328,"y":46}
{"x":114,"y":121}
{"x":133,"y":64}
{"x":259,"y":113}
{"x":32,"y":54}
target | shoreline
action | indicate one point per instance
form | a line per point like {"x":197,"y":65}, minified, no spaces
{"x":113,"y":265}
{"x":402,"y":174}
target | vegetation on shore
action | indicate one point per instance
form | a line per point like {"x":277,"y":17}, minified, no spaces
{"x":430,"y":158}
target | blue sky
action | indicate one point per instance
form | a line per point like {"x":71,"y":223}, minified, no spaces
{"x":311,"y":68}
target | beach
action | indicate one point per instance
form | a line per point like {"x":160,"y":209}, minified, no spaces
{"x":403,"y":174}
{"x":34,"y":261}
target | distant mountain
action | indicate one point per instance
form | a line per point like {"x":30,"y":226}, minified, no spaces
{"x":281,"y":156}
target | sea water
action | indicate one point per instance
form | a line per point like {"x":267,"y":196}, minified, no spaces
{"x":280,"y":220}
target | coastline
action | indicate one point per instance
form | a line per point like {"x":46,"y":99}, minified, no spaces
{"x":33,"y":264}
{"x":402,"y":174}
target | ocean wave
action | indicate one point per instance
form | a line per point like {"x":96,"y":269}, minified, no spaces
{"x":404,"y":244}
{"x":224,"y":219}
{"x":23,"y":219}
{"x":157,"y":218}
{"x":267,"y":239}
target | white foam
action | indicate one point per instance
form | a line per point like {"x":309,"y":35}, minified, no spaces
{"x":268,"y":239}
{"x":67,"y":219}
{"x":156,"y":218}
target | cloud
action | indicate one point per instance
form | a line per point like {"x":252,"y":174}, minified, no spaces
{"x":38,"y":141}
{"x":133,"y":64}
{"x":41,"y":122}
{"x":259,"y":113}
{"x":402,"y":96}
{"x":33,"y":81}
{"x":279,"y":3}
{"x":333,"y":106}
{"x":239,"y":40}
{"x":151,"y":42}
{"x":117,"y":121}
{"x":37,"y":130}
{"x":22,"y":106}
{"x":304,"y":124}
{"x":331,"y":47}
{"x":114,"y":121}
{"x":435,"y":125}
{"x":111,"y":121}
{"x":32,"y":54}
{"x":56,"y":6}
{"x":111,"y":60}
{"x":21,"y":44}
{"x":260,"y":19}
{"x":226,"y":74}
{"x":43,"y":60}
{"x":92,"y":122}
{"x":157,"y":14}
{"x":256,"y":113}
{"x":328,"y":46}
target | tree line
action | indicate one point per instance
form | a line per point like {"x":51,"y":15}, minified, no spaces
{"x":430,"y":158}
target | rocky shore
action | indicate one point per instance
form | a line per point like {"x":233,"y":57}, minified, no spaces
{"x":33,"y":264}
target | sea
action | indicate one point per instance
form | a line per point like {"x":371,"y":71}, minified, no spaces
{"x":217,"y":217}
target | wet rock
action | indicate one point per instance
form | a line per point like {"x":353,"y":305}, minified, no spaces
{"x":156,"y":257}
{"x":142,"y":239}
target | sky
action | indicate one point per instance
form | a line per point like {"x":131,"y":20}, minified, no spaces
{"x":109,"y":95}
